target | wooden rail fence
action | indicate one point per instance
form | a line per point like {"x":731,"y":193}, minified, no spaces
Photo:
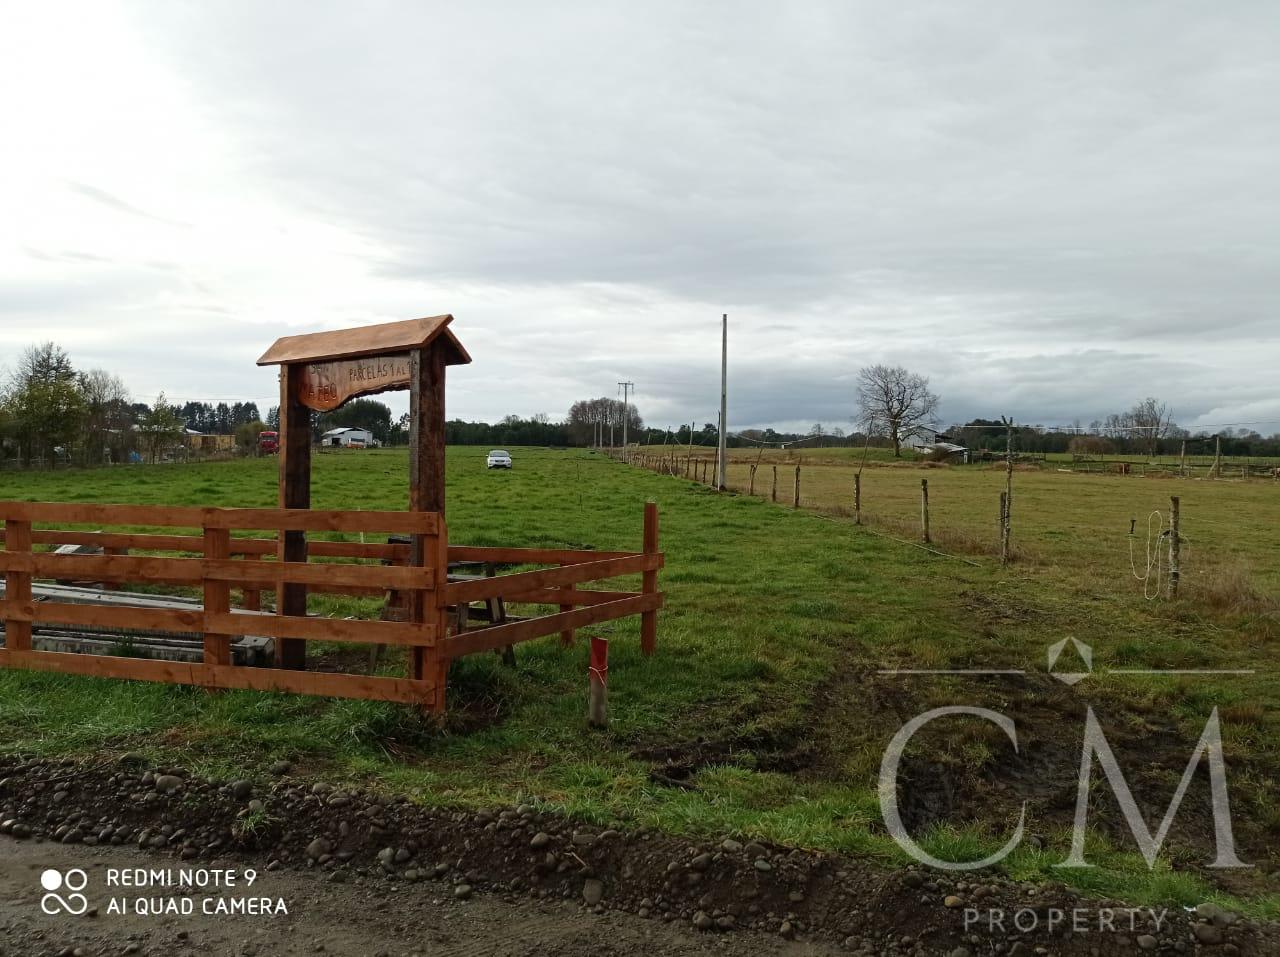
{"x":199,"y":549}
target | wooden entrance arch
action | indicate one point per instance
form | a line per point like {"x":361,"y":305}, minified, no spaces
{"x":195,"y":547}
{"x":320,"y":372}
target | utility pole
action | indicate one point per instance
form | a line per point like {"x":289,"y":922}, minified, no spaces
{"x":1006,"y":499}
{"x":626,"y":388}
{"x":722,"y":453}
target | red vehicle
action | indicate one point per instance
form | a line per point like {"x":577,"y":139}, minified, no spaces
{"x":268,"y":442}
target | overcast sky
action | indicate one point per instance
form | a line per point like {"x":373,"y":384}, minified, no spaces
{"x":1051,"y":210}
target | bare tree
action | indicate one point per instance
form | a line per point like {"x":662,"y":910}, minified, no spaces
{"x":895,"y":402}
{"x":586,"y":414}
{"x":106,"y":414}
{"x":1151,"y":420}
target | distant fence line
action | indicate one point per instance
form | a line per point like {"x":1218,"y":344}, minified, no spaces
{"x":80,"y":461}
{"x":702,"y":467}
{"x":782,"y":481}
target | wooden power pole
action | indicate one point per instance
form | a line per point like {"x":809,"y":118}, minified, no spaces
{"x":722,"y":453}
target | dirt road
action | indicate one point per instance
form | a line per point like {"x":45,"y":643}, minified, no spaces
{"x":116,"y":857}
{"x":364,"y":917}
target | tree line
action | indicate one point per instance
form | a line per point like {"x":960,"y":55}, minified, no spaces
{"x":52,"y":412}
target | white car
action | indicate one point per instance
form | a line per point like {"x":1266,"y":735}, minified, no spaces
{"x":498,"y":459}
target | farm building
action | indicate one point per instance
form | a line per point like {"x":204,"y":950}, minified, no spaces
{"x":348,"y":438}
{"x":937,"y":446}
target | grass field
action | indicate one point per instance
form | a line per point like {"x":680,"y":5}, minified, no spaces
{"x":765,"y":712}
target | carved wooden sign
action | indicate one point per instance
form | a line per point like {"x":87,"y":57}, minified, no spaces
{"x":324,"y":386}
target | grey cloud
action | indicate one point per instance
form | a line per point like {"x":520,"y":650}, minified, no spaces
{"x":118,"y":204}
{"x":1054,"y":208}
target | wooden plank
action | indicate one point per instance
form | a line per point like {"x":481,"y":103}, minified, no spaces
{"x":104,"y":616}
{"x":359,"y":631}
{"x":529,"y":556}
{"x":649,"y":581}
{"x":323,"y":386}
{"x":384,"y":337}
{"x":301,"y":518}
{"x":217,"y":596}
{"x":330,"y":574}
{"x":91,"y":513}
{"x":575,"y":597}
{"x":483,"y":588}
{"x":379,"y":550}
{"x":223,"y":676}
{"x":498,"y":636}
{"x":104,"y":567}
{"x":145,"y":541}
{"x":17,"y":584}
{"x":290,"y":518}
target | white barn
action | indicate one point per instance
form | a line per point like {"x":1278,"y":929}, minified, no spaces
{"x":348,"y":438}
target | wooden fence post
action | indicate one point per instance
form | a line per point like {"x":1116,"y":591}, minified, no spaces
{"x":567,"y":636}
{"x":252,"y":600}
{"x":924,"y":509}
{"x":857,"y":498}
{"x":217,"y":595}
{"x":113,"y":586}
{"x":775,"y":483}
{"x":1000,"y":530}
{"x":751,"y":490}
{"x":796,"y":501}
{"x":1175,"y":545}
{"x":17,"y":586}
{"x":1007,"y":498}
{"x":1006,"y":508}
{"x":598,"y":684}
{"x":649,"y":581}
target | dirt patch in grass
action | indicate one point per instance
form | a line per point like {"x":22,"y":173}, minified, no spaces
{"x":943,"y":783}
{"x":998,"y":608}
{"x":781,"y":749}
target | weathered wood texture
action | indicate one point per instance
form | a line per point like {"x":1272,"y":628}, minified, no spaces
{"x":215,"y":571}
{"x":295,"y":493}
{"x":206,"y":558}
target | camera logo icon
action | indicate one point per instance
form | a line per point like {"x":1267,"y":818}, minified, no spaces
{"x":73,"y":881}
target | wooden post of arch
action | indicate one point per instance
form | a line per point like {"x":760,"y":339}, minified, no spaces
{"x":320,"y":372}
{"x":295,"y":492}
{"x":426,"y":492}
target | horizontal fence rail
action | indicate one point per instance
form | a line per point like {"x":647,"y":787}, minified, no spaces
{"x":215,"y":569}
{"x":214,"y":550}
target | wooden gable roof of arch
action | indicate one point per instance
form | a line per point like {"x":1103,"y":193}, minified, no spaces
{"x":331,"y":368}
{"x":386,"y":338}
